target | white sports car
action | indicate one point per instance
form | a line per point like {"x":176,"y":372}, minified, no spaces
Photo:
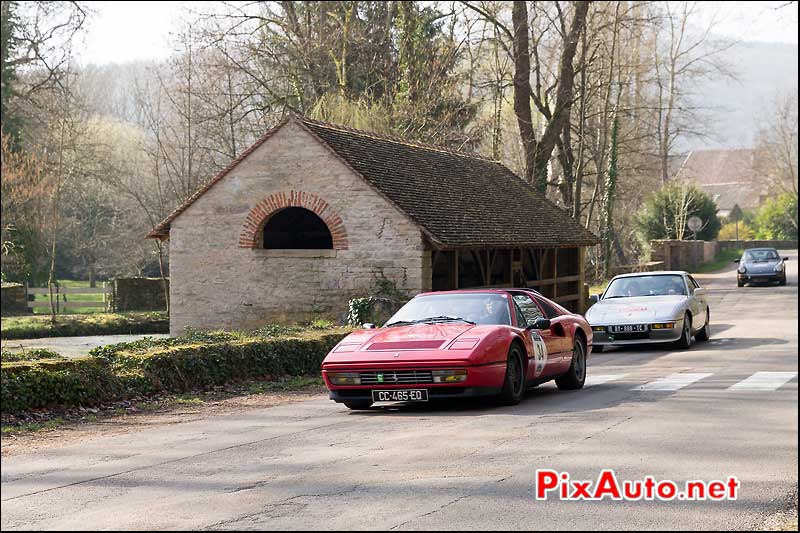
{"x":650,"y":307}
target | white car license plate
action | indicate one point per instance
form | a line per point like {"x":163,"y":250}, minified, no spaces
{"x":629,"y":328}
{"x":400,"y":395}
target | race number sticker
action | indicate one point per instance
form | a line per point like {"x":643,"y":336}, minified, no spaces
{"x":539,"y":352}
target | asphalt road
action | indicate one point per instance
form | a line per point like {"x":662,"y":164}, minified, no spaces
{"x":315,"y":465}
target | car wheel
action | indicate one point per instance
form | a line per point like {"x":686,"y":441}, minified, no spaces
{"x":598,"y":348}
{"x":514,"y":382}
{"x":705,"y":333}
{"x":360,"y":405}
{"x":575,"y":377}
{"x":782,"y":282}
{"x":685,"y":341}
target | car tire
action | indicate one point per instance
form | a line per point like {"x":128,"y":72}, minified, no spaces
{"x":782,"y":282}
{"x":360,"y":405}
{"x":575,"y":377}
{"x":514,"y":385}
{"x":685,"y":342}
{"x":704,"y":334}
{"x":740,"y":284}
{"x":598,"y":348}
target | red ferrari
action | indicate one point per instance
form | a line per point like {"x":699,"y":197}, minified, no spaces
{"x":457,"y":344}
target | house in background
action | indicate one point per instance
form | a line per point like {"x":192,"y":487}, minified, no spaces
{"x":314,"y":214}
{"x":730,"y":177}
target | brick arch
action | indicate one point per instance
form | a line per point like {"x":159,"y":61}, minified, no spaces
{"x":273,"y":203}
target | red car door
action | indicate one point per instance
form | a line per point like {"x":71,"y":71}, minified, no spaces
{"x":547,"y":359}
{"x":559,"y":330}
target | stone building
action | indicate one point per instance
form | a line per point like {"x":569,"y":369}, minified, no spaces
{"x":314,"y":214}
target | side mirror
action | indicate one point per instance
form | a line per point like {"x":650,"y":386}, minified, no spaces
{"x":785,"y":258}
{"x":700,"y":291}
{"x":735,"y":260}
{"x":594,"y":298}
{"x":368,"y":325}
{"x":540,"y":323}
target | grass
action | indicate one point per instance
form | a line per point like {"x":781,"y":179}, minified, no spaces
{"x":599,"y":288}
{"x":37,"y":326}
{"x":721,"y":260}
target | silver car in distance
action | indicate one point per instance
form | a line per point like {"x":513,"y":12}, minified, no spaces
{"x":650,"y":307}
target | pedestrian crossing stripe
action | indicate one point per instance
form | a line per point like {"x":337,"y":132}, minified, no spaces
{"x":759,"y":381}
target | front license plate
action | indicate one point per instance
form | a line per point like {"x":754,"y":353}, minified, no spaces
{"x":629,"y":328}
{"x":400,"y":395}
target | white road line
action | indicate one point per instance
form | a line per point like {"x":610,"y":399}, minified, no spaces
{"x":671,"y":383}
{"x":764,"y":381}
{"x":599,"y":379}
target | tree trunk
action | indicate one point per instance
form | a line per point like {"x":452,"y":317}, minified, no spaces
{"x":522,"y":85}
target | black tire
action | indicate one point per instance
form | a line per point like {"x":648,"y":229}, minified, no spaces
{"x":740,"y":284}
{"x":704,"y":334}
{"x":514,"y":385}
{"x":685,"y":342}
{"x":598,"y":348}
{"x":358,"y":405}
{"x":782,"y":282}
{"x":575,"y":377}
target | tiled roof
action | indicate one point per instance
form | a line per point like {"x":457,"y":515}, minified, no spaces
{"x":730,"y":176}
{"x":458,"y":200}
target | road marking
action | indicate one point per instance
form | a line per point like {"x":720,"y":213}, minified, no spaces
{"x":764,"y":381}
{"x":599,"y":379}
{"x":672,"y":382}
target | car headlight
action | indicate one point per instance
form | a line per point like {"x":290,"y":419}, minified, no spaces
{"x":449,"y":376}
{"x":779,"y":267}
{"x":344,"y":378}
{"x":742,"y":269}
{"x":598,"y":328}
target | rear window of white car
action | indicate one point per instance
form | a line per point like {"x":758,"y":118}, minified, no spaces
{"x":661,"y":285}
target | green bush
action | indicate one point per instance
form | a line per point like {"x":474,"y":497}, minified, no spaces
{"x":34,"y":354}
{"x":659,"y":216}
{"x":776,"y":219}
{"x":33,"y":327}
{"x":152,"y":365}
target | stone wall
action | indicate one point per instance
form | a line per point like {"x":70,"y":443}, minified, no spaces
{"x":221,"y":280}
{"x":139,"y":294}
{"x":14,"y":299}
{"x":688,"y":255}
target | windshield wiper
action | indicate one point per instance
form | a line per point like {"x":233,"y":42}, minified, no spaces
{"x":400,"y":323}
{"x":444,"y":318}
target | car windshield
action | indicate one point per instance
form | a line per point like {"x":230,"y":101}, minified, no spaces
{"x":477,"y":308}
{"x":761,"y":255}
{"x":661,"y":285}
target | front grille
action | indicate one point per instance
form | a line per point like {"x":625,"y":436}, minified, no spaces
{"x":630,"y":336}
{"x":396,"y":377}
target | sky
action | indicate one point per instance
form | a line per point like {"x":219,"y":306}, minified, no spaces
{"x":126,"y":31}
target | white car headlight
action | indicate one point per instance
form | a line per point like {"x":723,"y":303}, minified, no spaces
{"x":779,"y":267}
{"x":742,"y":269}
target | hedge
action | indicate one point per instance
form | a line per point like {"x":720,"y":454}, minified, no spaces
{"x":34,"y":327}
{"x":123,"y":374}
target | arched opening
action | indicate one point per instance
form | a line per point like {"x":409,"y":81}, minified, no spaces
{"x":297,"y":228}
